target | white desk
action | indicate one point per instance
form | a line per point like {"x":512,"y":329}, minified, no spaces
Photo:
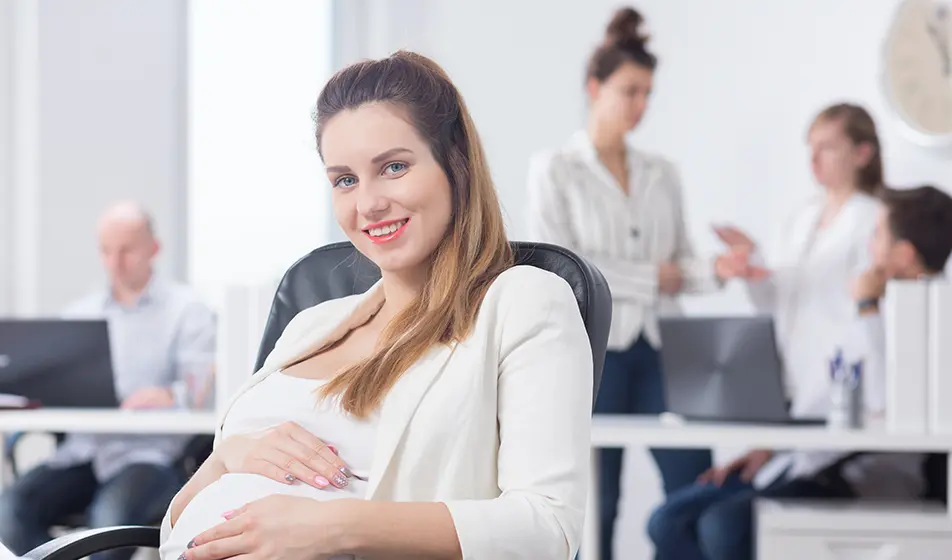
{"x":107,"y":421}
{"x":628,"y":432}
{"x":104,"y":421}
{"x":634,"y":432}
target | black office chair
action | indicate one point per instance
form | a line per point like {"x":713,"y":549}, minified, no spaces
{"x":335,"y":271}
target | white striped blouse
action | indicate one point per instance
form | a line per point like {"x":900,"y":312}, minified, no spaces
{"x":575,"y":202}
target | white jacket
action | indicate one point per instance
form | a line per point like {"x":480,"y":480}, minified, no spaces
{"x":809,"y":294}
{"x":497,"y":427}
{"x":575,"y":202}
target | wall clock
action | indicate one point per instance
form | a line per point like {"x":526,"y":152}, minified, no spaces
{"x":917,"y":70}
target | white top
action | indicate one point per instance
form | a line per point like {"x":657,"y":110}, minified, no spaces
{"x":808,"y":292}
{"x":809,"y":296}
{"x":575,"y":202}
{"x":278,"y":399}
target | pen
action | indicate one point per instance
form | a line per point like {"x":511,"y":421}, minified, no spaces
{"x":836,"y":365}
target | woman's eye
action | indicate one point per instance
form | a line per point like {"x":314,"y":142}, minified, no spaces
{"x":345,"y":182}
{"x":395,"y":167}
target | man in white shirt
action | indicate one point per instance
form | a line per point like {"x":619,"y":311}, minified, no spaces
{"x":162,"y":339}
{"x":713,"y":520}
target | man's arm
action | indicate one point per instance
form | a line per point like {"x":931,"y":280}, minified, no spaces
{"x":869,"y":337}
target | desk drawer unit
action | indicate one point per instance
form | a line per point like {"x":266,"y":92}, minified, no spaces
{"x":824,"y":531}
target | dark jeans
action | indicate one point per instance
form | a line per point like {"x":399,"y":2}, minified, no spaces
{"x":707,"y":522}
{"x":43,"y":497}
{"x":632,"y":384}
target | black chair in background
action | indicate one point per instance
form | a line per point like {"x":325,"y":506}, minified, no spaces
{"x":335,"y":271}
{"x":936,"y":472}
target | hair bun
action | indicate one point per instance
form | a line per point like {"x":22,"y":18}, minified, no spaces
{"x":625,"y":27}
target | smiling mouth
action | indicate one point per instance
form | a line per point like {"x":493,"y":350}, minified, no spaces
{"x":387,"y":232}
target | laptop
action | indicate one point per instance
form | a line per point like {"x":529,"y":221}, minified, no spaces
{"x":57,"y":363}
{"x":725,"y":369}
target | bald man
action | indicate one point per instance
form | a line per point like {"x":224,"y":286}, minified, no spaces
{"x":160,"y":335}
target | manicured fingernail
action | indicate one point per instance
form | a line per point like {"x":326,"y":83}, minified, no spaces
{"x":346,"y":472}
{"x":191,"y":544}
{"x":340,"y":481}
{"x":321,"y":481}
{"x":228,"y":514}
{"x":333,"y":449}
{"x":181,"y":556}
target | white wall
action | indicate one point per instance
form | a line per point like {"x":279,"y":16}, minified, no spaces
{"x":738,"y":84}
{"x":6,"y":154}
{"x":98,"y":116}
{"x":112,"y":114}
{"x":258,"y":196}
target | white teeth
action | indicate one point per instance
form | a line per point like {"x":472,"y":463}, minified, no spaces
{"x":386,"y":230}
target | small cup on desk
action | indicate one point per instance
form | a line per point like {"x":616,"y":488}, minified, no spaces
{"x":846,"y":396}
{"x":197,"y":391}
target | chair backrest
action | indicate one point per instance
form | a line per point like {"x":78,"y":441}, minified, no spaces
{"x":339,"y":270}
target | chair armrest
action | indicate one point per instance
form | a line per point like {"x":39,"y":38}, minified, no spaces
{"x":85,"y":543}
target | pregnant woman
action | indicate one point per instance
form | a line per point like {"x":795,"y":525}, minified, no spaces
{"x":444,"y":413}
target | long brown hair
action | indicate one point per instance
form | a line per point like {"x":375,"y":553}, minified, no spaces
{"x":473,"y":252}
{"x":860,"y":128}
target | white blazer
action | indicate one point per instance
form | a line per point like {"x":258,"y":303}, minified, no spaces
{"x":575,"y":202}
{"x":497,"y":427}
{"x":809,"y":292}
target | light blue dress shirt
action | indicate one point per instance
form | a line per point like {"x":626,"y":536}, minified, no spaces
{"x":165,"y":339}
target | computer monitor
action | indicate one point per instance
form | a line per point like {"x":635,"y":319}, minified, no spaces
{"x":58,"y":363}
{"x":723,"y":369}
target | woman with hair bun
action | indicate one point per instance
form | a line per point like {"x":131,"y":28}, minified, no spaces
{"x":622,"y":209}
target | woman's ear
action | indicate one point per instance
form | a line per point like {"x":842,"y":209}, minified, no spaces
{"x":592,"y":86}
{"x":906,"y":255}
{"x":864,"y":152}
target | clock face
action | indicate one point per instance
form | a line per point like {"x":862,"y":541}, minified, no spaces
{"x":918,"y":68}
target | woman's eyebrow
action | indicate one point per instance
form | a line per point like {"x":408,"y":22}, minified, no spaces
{"x":379,"y":158}
{"x":390,"y":153}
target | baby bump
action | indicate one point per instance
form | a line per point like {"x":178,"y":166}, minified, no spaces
{"x":231,"y":492}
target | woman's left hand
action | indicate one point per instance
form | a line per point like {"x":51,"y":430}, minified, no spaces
{"x":277,"y":527}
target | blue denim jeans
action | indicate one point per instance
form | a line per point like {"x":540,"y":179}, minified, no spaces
{"x":632,"y":383}
{"x":37,"y":501}
{"x":708,"y":522}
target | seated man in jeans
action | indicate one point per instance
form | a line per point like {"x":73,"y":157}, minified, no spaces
{"x":160,"y":333}
{"x":713,"y":520}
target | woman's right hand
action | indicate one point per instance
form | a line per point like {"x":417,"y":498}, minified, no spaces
{"x":735,"y":239}
{"x":748,"y":464}
{"x":285,"y":453}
